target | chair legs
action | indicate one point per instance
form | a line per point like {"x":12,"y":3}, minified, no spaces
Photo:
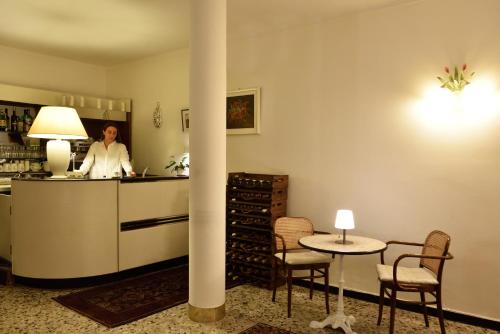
{"x":424,"y":308}
{"x":327,"y":289}
{"x":380,"y":304}
{"x":439,"y":307}
{"x":423,"y":304}
{"x":311,"y":285}
{"x":393,"y":310}
{"x":289,"y":284}
{"x":275,"y":280}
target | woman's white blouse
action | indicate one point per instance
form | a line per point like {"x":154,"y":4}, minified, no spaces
{"x":106,"y":163}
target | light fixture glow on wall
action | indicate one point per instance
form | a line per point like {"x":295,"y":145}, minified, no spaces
{"x":58,"y":124}
{"x":458,"y":105}
{"x":344,"y":220}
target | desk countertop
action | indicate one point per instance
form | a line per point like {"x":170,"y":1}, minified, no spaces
{"x":134,"y":179}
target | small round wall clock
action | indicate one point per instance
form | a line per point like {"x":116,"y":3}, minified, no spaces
{"x":157,"y":119}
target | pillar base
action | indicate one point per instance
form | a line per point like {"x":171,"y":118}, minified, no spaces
{"x":199,"y":314}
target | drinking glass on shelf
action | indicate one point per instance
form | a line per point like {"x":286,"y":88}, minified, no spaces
{"x":36,"y":152}
{"x":8,"y":152}
{"x":14,"y":154}
{"x":21,"y":152}
{"x":32,"y":152}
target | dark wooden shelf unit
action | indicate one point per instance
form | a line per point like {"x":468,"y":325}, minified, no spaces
{"x":253,"y":203}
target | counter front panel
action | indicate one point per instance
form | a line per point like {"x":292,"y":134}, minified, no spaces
{"x":64,"y":229}
{"x":155,"y":229}
{"x":80,"y":228}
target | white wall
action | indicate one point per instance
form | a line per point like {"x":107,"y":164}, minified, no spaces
{"x":164,"y":79}
{"x":336,"y":118}
{"x":28,"y":69}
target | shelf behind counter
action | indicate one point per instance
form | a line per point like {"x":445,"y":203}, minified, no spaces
{"x":74,"y":227}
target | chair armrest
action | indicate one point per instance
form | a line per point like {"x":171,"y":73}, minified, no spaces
{"x":404,"y":243}
{"x":276,"y":235}
{"x":395,"y":242}
{"x":448,"y":256}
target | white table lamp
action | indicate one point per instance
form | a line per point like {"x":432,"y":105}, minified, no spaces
{"x":345,"y":221}
{"x":57,"y":124}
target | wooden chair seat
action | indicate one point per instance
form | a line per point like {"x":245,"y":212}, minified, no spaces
{"x":406,"y":275}
{"x":304,"y":257}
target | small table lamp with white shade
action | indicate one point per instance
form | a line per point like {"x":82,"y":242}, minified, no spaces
{"x":345,"y":221}
{"x":57,"y":124}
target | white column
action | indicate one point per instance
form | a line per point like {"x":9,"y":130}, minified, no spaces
{"x":207,"y":140}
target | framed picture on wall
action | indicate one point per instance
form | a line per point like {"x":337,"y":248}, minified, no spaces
{"x":185,"y":119}
{"x":243,"y":111}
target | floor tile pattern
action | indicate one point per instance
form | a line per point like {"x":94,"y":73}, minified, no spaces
{"x":32,"y":310}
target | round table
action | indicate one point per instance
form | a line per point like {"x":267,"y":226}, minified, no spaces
{"x":326,"y":243}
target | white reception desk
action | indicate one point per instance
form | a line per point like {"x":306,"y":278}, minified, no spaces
{"x":81,"y":228}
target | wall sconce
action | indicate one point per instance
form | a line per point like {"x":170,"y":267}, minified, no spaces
{"x":455,"y":81}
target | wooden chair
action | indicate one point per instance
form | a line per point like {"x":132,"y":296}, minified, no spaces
{"x":426,"y":278}
{"x":290,"y":256}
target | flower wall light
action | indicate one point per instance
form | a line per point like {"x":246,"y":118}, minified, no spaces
{"x":457,"y":80}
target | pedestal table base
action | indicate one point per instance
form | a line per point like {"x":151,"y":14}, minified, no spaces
{"x":338,"y":320}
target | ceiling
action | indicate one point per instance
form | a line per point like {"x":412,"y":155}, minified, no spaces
{"x":109,"y":32}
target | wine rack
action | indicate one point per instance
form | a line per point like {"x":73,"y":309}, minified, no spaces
{"x":253,"y":203}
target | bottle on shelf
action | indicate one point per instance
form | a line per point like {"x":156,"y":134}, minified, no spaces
{"x":28,"y":120}
{"x":20,"y":122}
{"x":3,"y":120}
{"x":13,"y":121}
{"x":7,"y":119}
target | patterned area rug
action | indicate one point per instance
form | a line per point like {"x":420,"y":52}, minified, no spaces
{"x":265,"y":329}
{"x":131,"y":299}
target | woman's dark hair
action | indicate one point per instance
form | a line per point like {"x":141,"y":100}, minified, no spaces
{"x":118,"y":138}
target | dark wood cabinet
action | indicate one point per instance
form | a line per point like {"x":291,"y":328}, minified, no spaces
{"x":253,"y":203}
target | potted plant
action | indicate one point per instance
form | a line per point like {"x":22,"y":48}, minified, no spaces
{"x":180,"y":168}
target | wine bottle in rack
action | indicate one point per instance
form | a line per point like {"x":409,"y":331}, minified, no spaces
{"x":28,"y":120}
{"x":3,"y":120}
{"x":20,"y":122}
{"x":13,"y":121}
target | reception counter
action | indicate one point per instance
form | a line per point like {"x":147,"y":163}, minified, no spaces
{"x":74,"y":228}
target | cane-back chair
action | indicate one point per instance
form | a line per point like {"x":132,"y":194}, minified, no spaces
{"x":426,"y":278}
{"x":290,"y":256}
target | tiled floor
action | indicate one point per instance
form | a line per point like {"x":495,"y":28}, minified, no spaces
{"x":31,"y":310}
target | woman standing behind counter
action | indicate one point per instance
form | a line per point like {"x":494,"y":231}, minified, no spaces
{"x":106,"y":157}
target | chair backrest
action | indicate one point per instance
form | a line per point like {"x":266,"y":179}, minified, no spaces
{"x":292,"y":229}
{"x":437,"y":243}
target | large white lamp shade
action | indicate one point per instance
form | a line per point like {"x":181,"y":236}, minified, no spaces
{"x":344,"y":220}
{"x":58,"y":123}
